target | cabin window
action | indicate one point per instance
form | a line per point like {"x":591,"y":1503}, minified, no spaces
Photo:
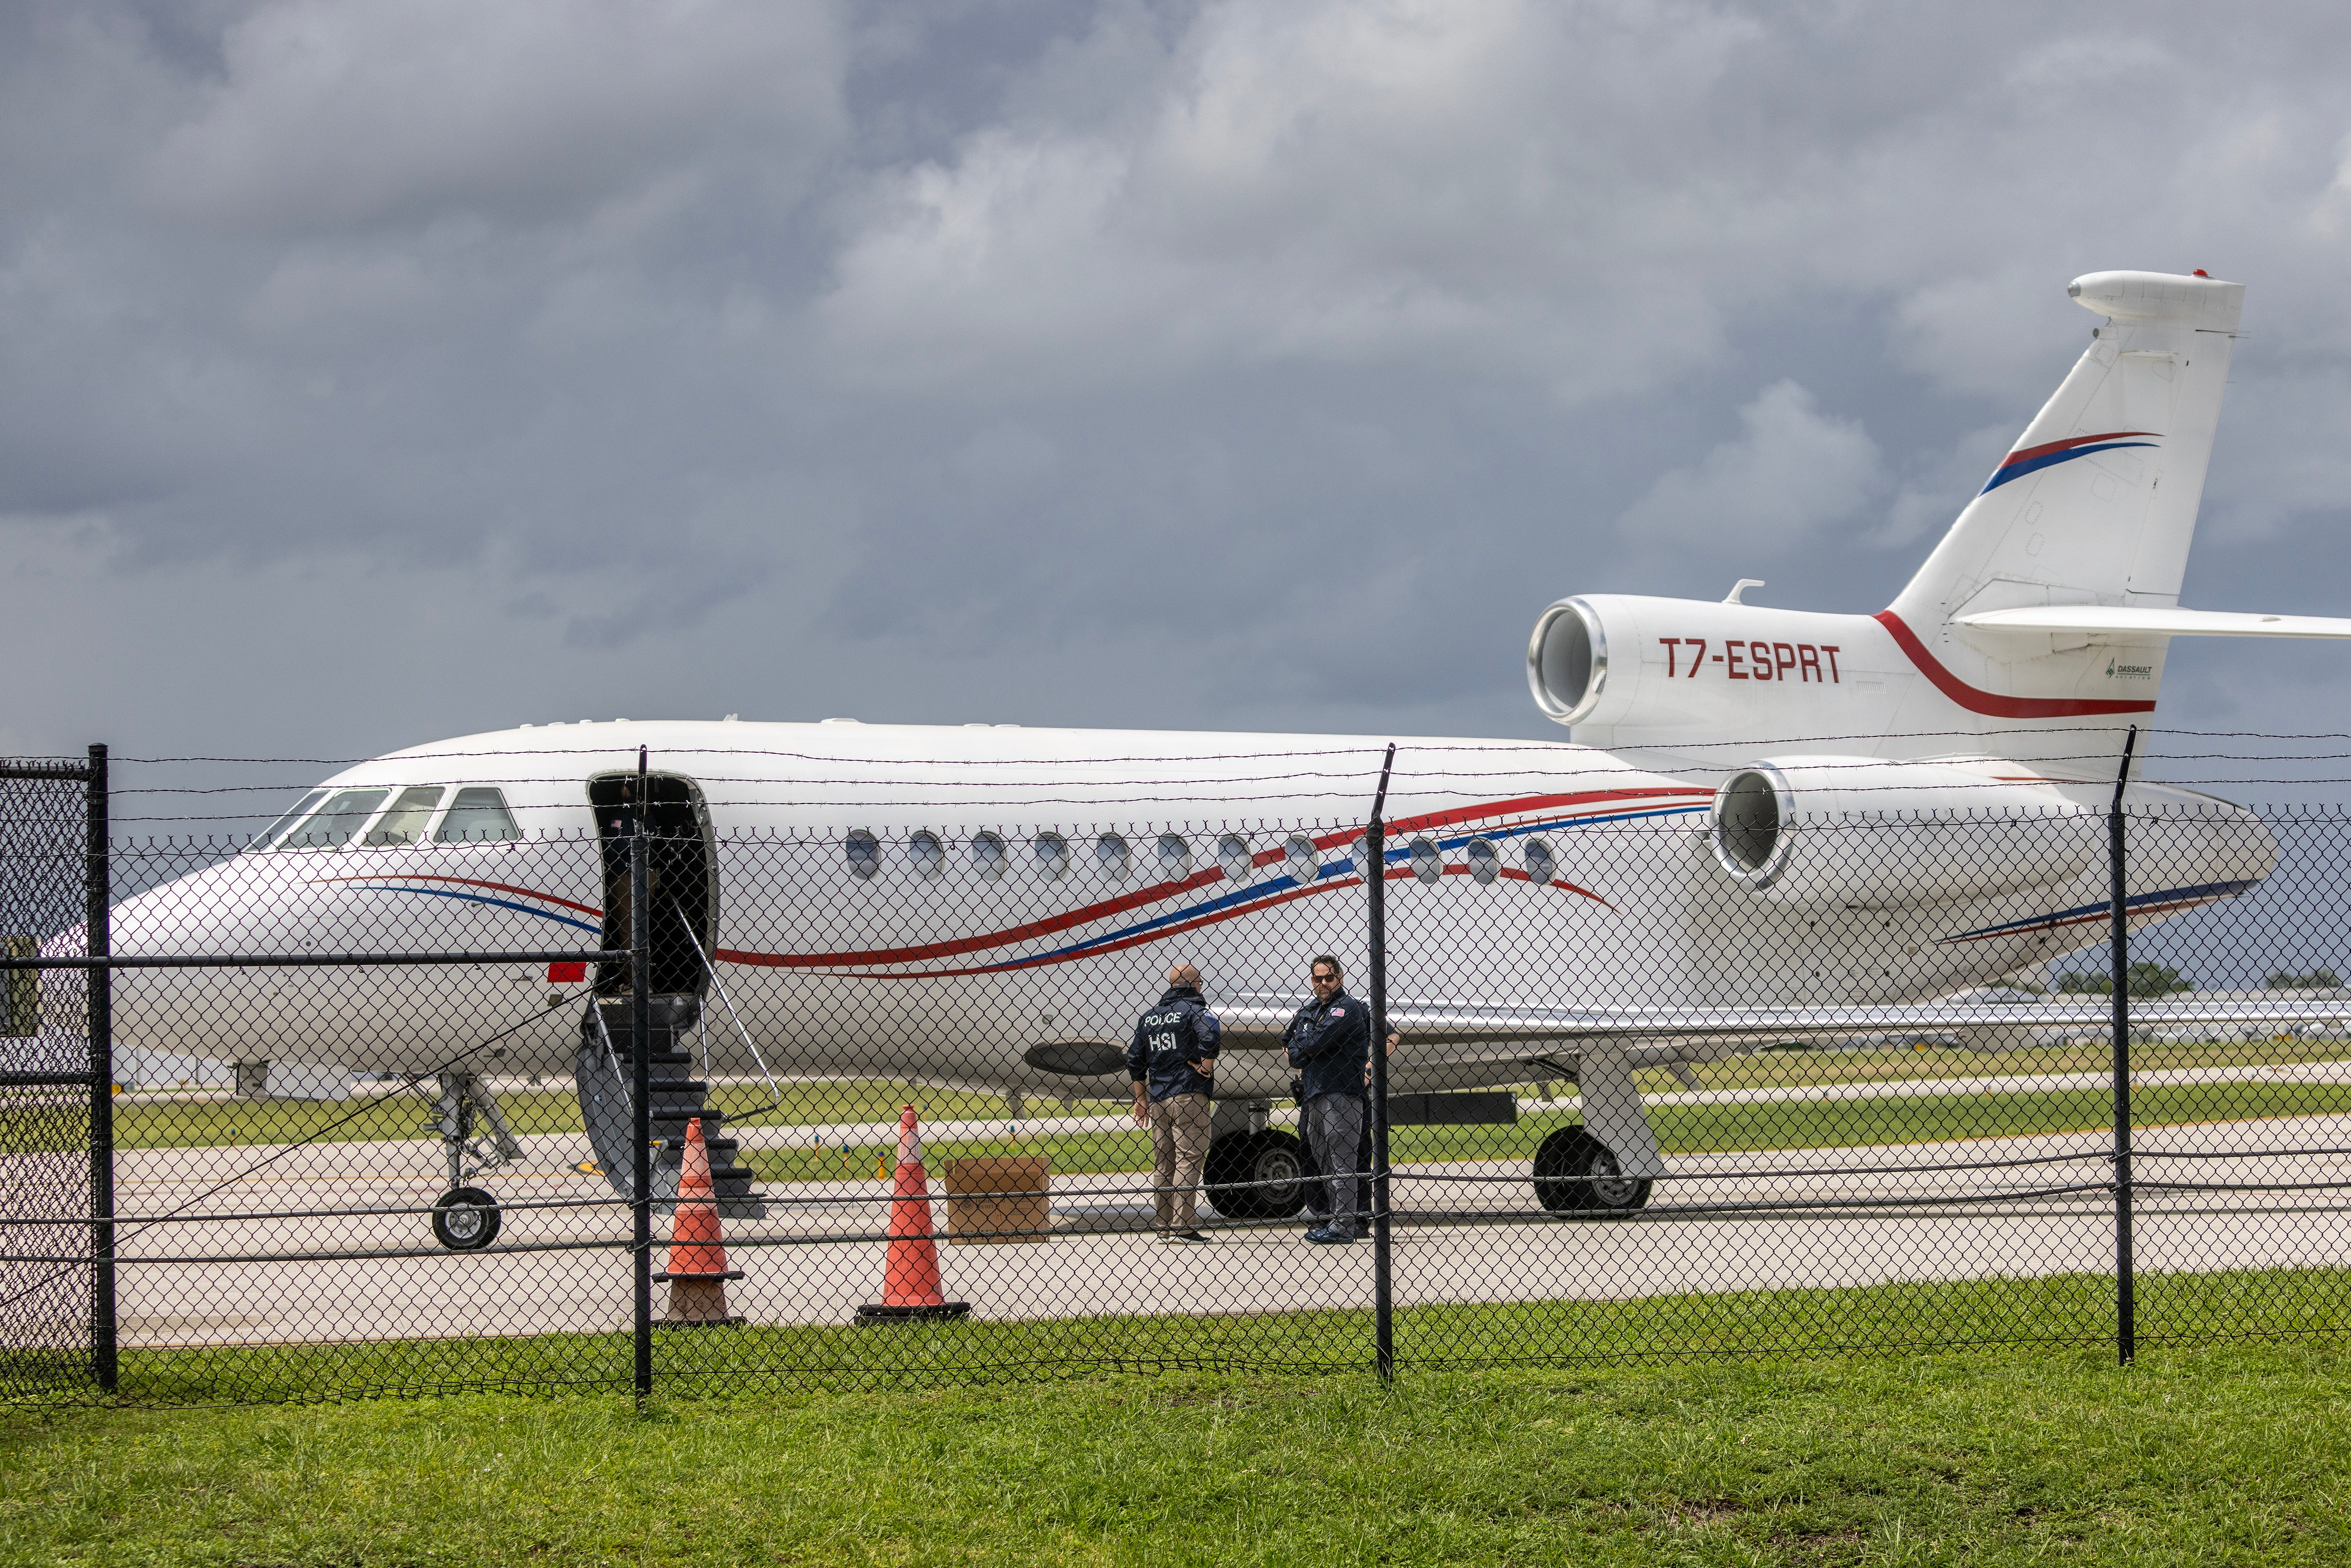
{"x":477,"y":816}
{"x":1174,"y":856}
{"x":276,"y":829}
{"x":1484,"y":862}
{"x":864,"y":852}
{"x":987,"y":856}
{"x":1053,"y":856}
{"x":404,"y":823}
{"x":1233,"y":853}
{"x":1358,"y":859}
{"x":1301,"y":860}
{"x":929,"y":855}
{"x":1541,"y":865}
{"x":344,"y":814}
{"x":1427,"y":861}
{"x":1110,"y":857}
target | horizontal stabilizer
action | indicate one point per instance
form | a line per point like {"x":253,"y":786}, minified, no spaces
{"x":2131,"y":622}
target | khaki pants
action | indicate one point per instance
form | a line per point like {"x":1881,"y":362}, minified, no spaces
{"x":1179,"y":1148}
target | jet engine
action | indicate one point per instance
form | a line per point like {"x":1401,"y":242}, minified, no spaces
{"x":1859,"y":832}
{"x":1623,"y":670}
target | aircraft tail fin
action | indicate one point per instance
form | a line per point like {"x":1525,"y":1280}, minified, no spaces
{"x":2097,"y":502}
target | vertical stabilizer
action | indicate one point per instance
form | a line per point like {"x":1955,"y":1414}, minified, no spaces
{"x":2097,"y":502}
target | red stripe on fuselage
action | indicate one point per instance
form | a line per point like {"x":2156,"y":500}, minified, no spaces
{"x":1529,"y":804}
{"x":1052,"y":925}
{"x":472,"y":882}
{"x":1975,"y":699}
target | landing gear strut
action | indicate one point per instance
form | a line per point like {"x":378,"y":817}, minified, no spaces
{"x":475,"y":1139}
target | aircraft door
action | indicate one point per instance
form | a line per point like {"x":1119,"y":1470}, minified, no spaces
{"x":682,"y":877}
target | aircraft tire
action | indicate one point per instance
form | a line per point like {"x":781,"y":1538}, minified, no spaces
{"x":1575,"y":1172}
{"x":465,"y":1219}
{"x":1239,"y":1158}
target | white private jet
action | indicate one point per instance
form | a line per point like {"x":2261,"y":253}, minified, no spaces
{"x":947,"y":904}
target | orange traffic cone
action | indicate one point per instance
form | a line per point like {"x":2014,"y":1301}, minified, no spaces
{"x":910,"y":1276}
{"x":697,"y":1272}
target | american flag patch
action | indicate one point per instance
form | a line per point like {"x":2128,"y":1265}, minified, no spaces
{"x":1338,"y":1012}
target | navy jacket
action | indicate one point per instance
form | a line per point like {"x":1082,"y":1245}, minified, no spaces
{"x":1331,"y":1045}
{"x":1168,"y":1039}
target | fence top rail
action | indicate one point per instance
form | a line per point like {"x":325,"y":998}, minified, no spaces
{"x":71,"y":772}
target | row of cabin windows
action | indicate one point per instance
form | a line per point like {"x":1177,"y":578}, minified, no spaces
{"x":474,"y":813}
{"x":1114,"y":859}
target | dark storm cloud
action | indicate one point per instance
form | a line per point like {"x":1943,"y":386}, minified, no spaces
{"x":383,"y":369}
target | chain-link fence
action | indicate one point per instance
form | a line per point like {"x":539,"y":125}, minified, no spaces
{"x":405,"y":1094}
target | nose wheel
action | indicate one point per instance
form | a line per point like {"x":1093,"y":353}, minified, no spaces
{"x":474,"y":1139}
{"x":465,"y":1219}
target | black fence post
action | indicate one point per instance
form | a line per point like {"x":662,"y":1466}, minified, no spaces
{"x":97,"y":886}
{"x":641,"y":1028}
{"x":2118,"y":947}
{"x":1383,"y":1300}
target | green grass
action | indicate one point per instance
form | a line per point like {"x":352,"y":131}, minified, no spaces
{"x":1903,"y":1317}
{"x":2216,"y":1456}
{"x":145,"y":1124}
{"x":141,"y":1122}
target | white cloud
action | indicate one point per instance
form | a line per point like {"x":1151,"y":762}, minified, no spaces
{"x":363,"y":111}
{"x":1791,"y":473}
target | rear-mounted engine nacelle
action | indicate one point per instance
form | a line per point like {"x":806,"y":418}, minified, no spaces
{"x":1860,"y":833}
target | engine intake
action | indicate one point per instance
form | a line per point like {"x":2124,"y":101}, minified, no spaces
{"x":1567,"y":660}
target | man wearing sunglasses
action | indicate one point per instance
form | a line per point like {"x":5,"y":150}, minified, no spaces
{"x":1329,"y":1041}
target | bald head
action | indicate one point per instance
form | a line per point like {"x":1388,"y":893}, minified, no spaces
{"x":1185,"y":974}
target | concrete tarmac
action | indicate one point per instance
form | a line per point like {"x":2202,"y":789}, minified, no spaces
{"x":1464,"y":1231}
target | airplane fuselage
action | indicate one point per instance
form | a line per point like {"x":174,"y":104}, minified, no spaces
{"x":957,"y":904}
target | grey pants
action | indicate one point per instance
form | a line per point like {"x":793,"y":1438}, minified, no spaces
{"x":1334,"y":1124}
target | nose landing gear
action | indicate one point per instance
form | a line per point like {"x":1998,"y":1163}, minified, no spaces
{"x":475,"y":1139}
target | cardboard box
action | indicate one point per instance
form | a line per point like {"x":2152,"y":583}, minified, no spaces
{"x":997,"y":1198}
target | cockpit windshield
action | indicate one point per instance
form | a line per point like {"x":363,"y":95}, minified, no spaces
{"x":345,"y":812}
{"x":404,"y":823}
{"x":477,"y":813}
{"x":276,"y":829}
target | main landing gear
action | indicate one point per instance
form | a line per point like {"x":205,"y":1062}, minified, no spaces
{"x":1575,"y":1172}
{"x":1256,"y":1176}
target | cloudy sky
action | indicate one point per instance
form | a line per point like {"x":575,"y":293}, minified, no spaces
{"x":380,"y":370}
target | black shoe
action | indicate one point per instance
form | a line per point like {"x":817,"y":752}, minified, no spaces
{"x":1187,"y":1236}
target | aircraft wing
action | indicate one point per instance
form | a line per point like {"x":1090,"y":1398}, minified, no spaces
{"x":1447,"y":1033}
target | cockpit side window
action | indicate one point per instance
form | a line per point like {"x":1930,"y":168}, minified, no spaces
{"x":344,"y":814}
{"x":404,"y":823}
{"x":478,"y":815}
{"x":276,"y":829}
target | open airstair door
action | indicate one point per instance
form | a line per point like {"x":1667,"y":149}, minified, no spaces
{"x":682,"y":921}
{"x":682,"y":875}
